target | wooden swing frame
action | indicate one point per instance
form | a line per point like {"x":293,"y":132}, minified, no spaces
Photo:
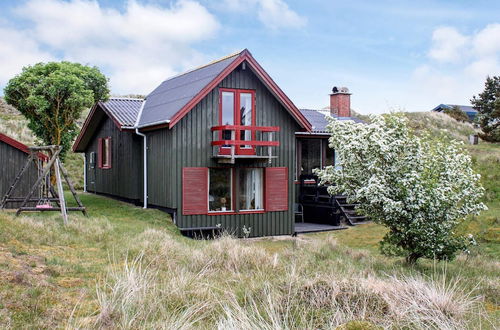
{"x":58,"y":197}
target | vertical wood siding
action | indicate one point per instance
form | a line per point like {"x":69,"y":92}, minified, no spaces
{"x":124,"y":178}
{"x":187,"y":144}
{"x":12,"y":161}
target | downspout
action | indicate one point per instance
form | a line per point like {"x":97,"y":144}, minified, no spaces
{"x":145,"y":157}
{"x":145,"y":167}
{"x":85,"y":171}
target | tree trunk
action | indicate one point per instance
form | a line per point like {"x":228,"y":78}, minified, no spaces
{"x":412,"y":258}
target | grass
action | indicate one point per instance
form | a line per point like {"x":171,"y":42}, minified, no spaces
{"x":125,"y":267}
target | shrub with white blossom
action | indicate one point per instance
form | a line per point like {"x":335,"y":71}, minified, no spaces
{"x":420,"y":188}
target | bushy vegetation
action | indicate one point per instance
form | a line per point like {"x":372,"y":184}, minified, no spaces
{"x":487,"y":104}
{"x":52,"y":97}
{"x":419,"y":188}
{"x":456,"y":113}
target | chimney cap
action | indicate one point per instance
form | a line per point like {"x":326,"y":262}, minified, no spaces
{"x":340,"y":90}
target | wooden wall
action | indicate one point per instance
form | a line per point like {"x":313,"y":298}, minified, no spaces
{"x":124,"y":178}
{"x":187,"y":144}
{"x":12,"y":161}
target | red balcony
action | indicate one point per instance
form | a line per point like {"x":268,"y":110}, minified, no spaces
{"x":233,"y":142}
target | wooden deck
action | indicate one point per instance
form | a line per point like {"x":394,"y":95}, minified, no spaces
{"x":307,"y":227}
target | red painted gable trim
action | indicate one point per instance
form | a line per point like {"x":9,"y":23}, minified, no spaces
{"x":20,"y":146}
{"x":89,"y":118}
{"x":244,"y":55}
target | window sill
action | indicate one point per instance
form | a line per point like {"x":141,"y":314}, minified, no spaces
{"x":105,"y":167}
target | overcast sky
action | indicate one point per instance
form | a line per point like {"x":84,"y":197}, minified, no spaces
{"x":409,"y":55}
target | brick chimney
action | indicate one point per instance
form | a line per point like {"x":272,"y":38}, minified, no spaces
{"x":340,"y":102}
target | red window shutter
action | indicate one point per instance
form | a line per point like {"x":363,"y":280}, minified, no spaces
{"x":194,"y":190}
{"x":276,"y":189}
{"x":99,"y":152}
{"x":109,"y":152}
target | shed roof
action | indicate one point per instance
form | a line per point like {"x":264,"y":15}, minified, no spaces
{"x":123,"y":110}
{"x":318,"y":120}
{"x":20,"y":146}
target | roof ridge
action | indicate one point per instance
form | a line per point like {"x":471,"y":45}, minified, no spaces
{"x":126,"y":98}
{"x":205,"y":65}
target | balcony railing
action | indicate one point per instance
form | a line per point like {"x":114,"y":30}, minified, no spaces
{"x":261,"y":136}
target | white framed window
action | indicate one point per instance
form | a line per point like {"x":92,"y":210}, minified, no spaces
{"x":250,"y":189}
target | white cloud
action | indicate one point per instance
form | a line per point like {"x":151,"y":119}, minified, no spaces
{"x":275,"y":14}
{"x":458,"y":65}
{"x":18,"y":50}
{"x":137,"y":47}
{"x":487,"y":41}
{"x":448,"y":45}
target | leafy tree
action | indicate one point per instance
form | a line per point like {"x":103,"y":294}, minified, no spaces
{"x":487,"y":104}
{"x":456,"y":113}
{"x":420,"y":188}
{"x":52,"y":97}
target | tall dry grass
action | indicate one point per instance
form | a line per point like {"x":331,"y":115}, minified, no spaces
{"x":234,"y":284}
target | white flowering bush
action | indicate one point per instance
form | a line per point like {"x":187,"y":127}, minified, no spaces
{"x":420,"y":188}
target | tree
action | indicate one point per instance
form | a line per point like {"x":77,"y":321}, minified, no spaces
{"x":419,"y":188}
{"x":456,"y":113}
{"x":487,"y":104}
{"x":52,"y":97}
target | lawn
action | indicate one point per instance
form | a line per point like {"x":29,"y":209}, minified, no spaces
{"x":125,"y":267}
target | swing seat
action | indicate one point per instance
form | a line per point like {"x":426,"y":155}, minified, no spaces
{"x":44,"y":206}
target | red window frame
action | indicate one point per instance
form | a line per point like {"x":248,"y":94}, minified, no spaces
{"x":239,"y":150}
{"x":100,"y":148}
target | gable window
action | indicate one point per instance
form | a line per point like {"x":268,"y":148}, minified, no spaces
{"x":104,"y":153}
{"x":237,"y":107}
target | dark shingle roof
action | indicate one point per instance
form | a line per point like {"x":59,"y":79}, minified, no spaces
{"x":123,"y":110}
{"x":318,"y":120}
{"x":174,"y":93}
{"x":469,"y":110}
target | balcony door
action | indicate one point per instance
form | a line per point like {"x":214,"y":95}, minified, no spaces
{"x":237,"y":107}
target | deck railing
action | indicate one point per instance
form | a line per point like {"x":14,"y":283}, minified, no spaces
{"x":236,"y":141}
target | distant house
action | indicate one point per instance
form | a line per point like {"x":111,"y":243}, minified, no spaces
{"x":218,"y":146}
{"x":469,"y":110}
{"x":13,"y":157}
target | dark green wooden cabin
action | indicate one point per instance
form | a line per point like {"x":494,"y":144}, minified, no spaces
{"x":13,"y":157}
{"x":221,"y":149}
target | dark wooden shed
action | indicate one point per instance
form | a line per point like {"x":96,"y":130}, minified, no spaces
{"x":13,"y":156}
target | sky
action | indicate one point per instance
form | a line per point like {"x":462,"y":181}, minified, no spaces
{"x":392,"y":55}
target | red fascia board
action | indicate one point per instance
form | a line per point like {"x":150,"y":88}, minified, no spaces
{"x":21,"y":146}
{"x":84,"y":127}
{"x":89,"y":118}
{"x":110,"y":115}
{"x":245,"y":55}
{"x":246,"y":128}
{"x":246,"y":143}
